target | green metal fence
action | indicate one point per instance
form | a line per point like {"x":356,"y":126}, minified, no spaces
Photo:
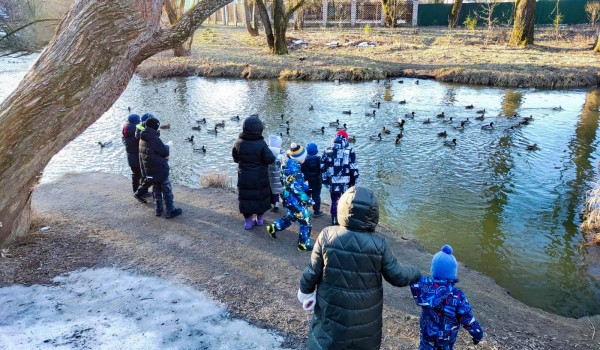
{"x":573,"y":12}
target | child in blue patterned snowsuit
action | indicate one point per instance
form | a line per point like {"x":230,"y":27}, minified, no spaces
{"x":295,"y":199}
{"x":444,"y":307}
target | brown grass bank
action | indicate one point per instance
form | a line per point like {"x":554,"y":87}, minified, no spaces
{"x":478,"y":57}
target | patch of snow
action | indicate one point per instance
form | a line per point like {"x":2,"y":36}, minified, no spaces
{"x":115,"y":309}
{"x":366,"y":44}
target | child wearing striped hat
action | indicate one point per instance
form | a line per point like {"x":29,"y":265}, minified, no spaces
{"x":295,"y":199}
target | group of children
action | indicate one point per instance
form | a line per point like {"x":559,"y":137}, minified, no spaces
{"x":148,"y":158}
{"x":298,"y":178}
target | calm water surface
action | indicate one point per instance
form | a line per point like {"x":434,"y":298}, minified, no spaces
{"x":510,"y":213}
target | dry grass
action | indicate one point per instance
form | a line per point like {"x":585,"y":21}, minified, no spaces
{"x":591,"y":224}
{"x":215,"y":180}
{"x":463,"y":56}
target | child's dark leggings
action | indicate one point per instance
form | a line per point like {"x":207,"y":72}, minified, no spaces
{"x":335,"y":197}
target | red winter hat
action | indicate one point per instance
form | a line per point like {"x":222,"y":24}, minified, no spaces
{"x":343,"y":133}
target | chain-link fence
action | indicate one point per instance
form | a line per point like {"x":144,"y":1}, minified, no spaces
{"x":330,"y":12}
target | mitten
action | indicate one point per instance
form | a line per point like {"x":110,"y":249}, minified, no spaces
{"x":309,"y":304}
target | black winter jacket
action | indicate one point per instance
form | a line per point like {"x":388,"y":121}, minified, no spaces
{"x":153,"y":155}
{"x":253,"y":156}
{"x":346,"y":268}
{"x":311,"y":168}
{"x":132,"y":145}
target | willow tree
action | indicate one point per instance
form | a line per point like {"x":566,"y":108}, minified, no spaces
{"x":524,"y":23}
{"x":174,"y":11}
{"x":455,"y":13}
{"x":80,"y":74}
{"x":276,"y":29}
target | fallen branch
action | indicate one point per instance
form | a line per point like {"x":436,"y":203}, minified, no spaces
{"x":593,"y":327}
{"x":29,"y":24}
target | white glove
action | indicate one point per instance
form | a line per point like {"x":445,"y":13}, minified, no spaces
{"x":308,"y":301}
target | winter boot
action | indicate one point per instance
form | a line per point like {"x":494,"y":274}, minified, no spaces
{"x":272,"y":230}
{"x":318,"y":214}
{"x":139,"y":197}
{"x":249,"y":223}
{"x":302,"y":247}
{"x":259,"y":220}
{"x":275,"y":207}
{"x":159,"y":207}
{"x":173,"y":213}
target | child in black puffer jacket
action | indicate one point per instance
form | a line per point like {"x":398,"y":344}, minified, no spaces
{"x":311,"y":168}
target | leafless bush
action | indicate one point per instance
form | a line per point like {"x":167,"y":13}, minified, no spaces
{"x":592,"y":8}
{"x":215,"y":180}
{"x":486,"y":13}
{"x":591,"y":224}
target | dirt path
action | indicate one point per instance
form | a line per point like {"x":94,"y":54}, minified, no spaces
{"x":96,"y":223}
{"x":478,"y":57}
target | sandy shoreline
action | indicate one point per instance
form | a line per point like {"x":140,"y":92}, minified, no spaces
{"x":477,"y":57}
{"x":95,"y":223}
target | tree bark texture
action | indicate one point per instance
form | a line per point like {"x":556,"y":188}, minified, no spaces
{"x":251,"y":26}
{"x":266,"y":21}
{"x":173,"y":14}
{"x":597,"y":46}
{"x":279,"y":27}
{"x":79,"y":75}
{"x":524,"y":23}
{"x":455,"y":13}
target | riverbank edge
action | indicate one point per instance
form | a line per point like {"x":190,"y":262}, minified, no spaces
{"x":93,"y":223}
{"x":190,"y":67}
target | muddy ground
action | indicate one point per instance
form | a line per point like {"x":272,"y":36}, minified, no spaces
{"x":95,"y":222}
{"x":480,"y":57}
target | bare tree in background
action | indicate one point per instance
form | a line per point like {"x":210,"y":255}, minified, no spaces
{"x":486,"y":13}
{"x":251,"y":18}
{"x":276,"y":24}
{"x":18,"y":21}
{"x":455,"y":13}
{"x":524,"y":23}
{"x":79,"y":75}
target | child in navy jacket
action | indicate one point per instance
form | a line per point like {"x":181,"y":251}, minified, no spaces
{"x":311,"y":168}
{"x":444,"y":307}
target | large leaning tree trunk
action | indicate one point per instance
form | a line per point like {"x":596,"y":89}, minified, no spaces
{"x":524,"y":17}
{"x":79,"y":75}
{"x":250,"y":18}
{"x":174,"y":11}
{"x":455,"y":13}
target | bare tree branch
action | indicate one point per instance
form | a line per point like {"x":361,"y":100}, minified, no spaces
{"x":29,"y":24}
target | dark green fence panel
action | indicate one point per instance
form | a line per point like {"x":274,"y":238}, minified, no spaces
{"x":573,"y":12}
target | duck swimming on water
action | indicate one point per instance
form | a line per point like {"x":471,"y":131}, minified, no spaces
{"x":375,"y":137}
{"x":319,"y":131}
{"x":104,"y":144}
{"x":450,"y":143}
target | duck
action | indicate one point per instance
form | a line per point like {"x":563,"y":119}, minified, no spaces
{"x":400,"y":81}
{"x":398,"y":137}
{"x":403,"y":102}
{"x":480,"y":117}
{"x":165,"y":126}
{"x":533,"y":147}
{"x":450,"y":143}
{"x":559,"y":108}
{"x":352,"y":139}
{"x":461,"y":126}
{"x":509,"y":129}
{"x":514,"y":116}
{"x":469,"y":107}
{"x":529,"y":119}
{"x":488,"y":127}
{"x":221,"y":124}
{"x":524,"y":122}
{"x":347,"y":112}
{"x":129,"y":109}
{"x":515,"y":126}
{"x":197,"y":127}
{"x":447,"y":121}
{"x":335,"y":123}
{"x":416,"y":82}
{"x":343,"y":127}
{"x":442,"y":134}
{"x":287,"y":131}
{"x":190,"y":139}
{"x":481,"y":111}
{"x":375,"y":137}
{"x":399,"y":123}
{"x":285,"y":125}
{"x":410,"y":115}
{"x":311,"y":108}
{"x":319,"y":131}
{"x":277,"y":118}
{"x":375,"y":104}
{"x":201,"y":121}
{"x":104,"y":144}
{"x":441,"y":115}
{"x":385,"y":131}
{"x":370,"y":114}
{"x":467,"y":121}
{"x":237,"y":117}
{"x":203,"y":149}
{"x":213,"y":131}
{"x":427,"y":121}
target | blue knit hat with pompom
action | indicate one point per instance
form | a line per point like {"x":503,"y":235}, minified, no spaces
{"x":133,"y":119}
{"x":146,"y":116}
{"x":312,"y":149}
{"x":443,"y":264}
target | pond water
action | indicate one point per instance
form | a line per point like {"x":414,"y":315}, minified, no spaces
{"x":509,"y":212}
